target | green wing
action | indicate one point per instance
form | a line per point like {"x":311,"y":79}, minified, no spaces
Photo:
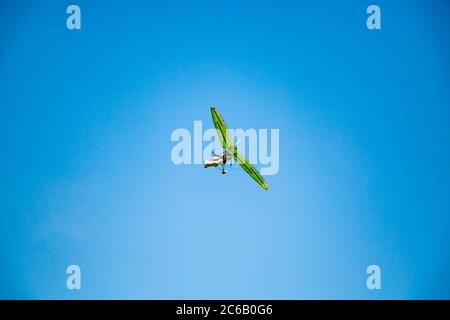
{"x":222,"y":130}
{"x":228,"y":145}
{"x":249,"y":168}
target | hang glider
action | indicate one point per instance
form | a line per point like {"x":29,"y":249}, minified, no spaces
{"x":231,"y":152}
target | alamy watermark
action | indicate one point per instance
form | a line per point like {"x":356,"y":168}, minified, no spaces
{"x":73,"y":281}
{"x":73,"y":22}
{"x":373,"y":281}
{"x":258,"y":146}
{"x":373,"y":21}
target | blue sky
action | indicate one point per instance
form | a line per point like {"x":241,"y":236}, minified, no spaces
{"x":87,"y":179}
